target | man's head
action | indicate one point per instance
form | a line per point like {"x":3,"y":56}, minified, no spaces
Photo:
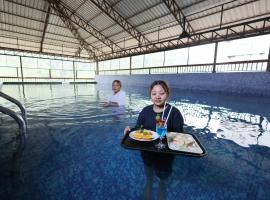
{"x":116,"y":86}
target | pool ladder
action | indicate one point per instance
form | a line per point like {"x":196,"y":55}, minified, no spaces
{"x":20,"y":119}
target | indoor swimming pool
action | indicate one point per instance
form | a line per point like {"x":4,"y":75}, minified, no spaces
{"x":73,"y":146}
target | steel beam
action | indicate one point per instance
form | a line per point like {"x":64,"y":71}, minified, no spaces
{"x":268,"y":62}
{"x":178,"y":15}
{"x":236,"y":31}
{"x":43,"y":53}
{"x":78,"y":52}
{"x":121,"y":21}
{"x":45,"y":28}
{"x":86,"y":26}
{"x":188,"y":16}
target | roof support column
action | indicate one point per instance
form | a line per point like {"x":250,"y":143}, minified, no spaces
{"x":73,"y":62}
{"x":17,"y":70}
{"x":268,"y":62}
{"x":215,"y":58}
{"x":45,"y":28}
{"x":130,"y":64}
{"x":97,"y":67}
{"x":21,"y":69}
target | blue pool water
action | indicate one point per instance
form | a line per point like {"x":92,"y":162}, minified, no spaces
{"x":73,"y":146}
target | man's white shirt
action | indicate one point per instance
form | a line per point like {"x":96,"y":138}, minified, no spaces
{"x":119,"y":98}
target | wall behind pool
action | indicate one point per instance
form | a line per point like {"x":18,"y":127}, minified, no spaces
{"x":246,"y":83}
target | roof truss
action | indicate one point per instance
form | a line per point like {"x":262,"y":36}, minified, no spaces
{"x":63,"y":14}
{"x":241,"y":30}
{"x":35,"y":32}
{"x":88,"y":28}
{"x":121,"y":21}
{"x":178,"y":15}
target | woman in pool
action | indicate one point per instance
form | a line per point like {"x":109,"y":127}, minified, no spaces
{"x":158,"y":162}
{"x":118,"y":96}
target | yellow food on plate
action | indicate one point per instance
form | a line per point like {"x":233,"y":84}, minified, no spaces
{"x":143,"y":134}
{"x":147,"y":137}
{"x":138,"y":135}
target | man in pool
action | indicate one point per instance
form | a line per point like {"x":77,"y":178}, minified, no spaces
{"x":118,"y":96}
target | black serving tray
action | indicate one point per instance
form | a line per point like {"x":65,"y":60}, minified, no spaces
{"x":129,"y":143}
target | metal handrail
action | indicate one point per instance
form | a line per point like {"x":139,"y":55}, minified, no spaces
{"x":9,"y":98}
{"x":18,"y":118}
{"x":148,"y":70}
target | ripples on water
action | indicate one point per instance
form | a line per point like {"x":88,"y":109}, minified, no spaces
{"x":73,"y":149}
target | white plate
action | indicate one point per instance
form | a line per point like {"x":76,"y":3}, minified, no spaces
{"x":155,"y":136}
{"x":183,"y":142}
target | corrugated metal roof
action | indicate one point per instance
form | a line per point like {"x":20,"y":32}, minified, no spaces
{"x":202,"y":23}
{"x":12,"y":34}
{"x":88,"y":11}
{"x":18,"y":44}
{"x":24,"y":21}
{"x":19,"y":29}
{"x":105,"y":19}
{"x":21,"y":10}
{"x":55,"y":20}
{"x":157,"y":23}
{"x":74,"y":5}
{"x":25,"y":43}
{"x":131,"y":43}
{"x":128,"y":8}
{"x":114,"y":29}
{"x":59,"y":31}
{"x":119,"y":35}
{"x":53,"y":39}
{"x":31,"y":3}
{"x":191,"y":7}
{"x":92,"y":40}
{"x":149,"y":14}
{"x":240,"y":13}
{"x":106,"y":49}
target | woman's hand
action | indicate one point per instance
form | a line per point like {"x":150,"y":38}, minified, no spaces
{"x":127,"y":129}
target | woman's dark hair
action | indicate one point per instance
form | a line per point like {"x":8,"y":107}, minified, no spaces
{"x":117,"y":81}
{"x":163,"y":84}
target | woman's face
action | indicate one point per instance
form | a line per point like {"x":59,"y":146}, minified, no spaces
{"x":158,"y":95}
{"x":116,"y":87}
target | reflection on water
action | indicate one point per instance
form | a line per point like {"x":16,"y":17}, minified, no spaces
{"x":73,"y":147}
{"x":244,"y":129}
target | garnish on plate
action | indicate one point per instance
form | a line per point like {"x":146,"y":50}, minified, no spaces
{"x":143,"y":134}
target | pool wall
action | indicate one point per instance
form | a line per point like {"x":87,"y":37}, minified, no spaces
{"x":247,"y":83}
